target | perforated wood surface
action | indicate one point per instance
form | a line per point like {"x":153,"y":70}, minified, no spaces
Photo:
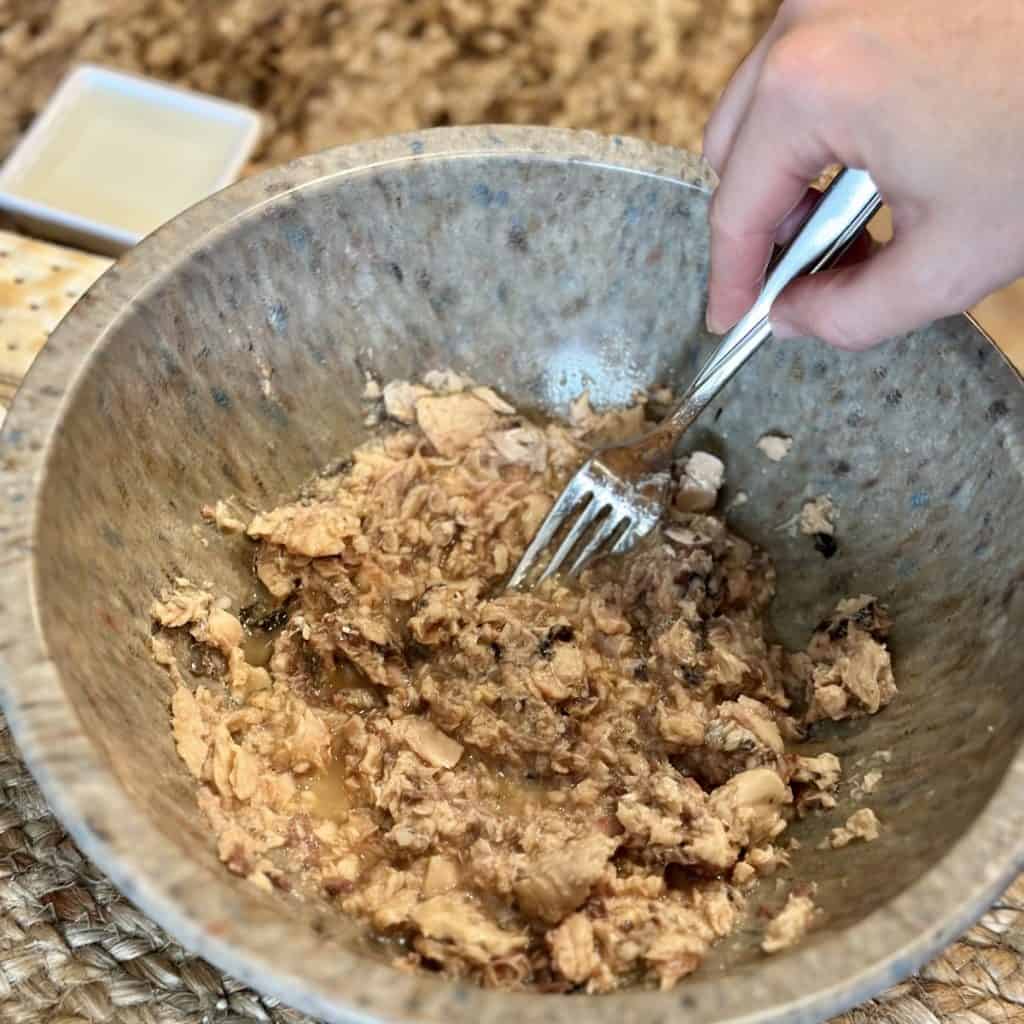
{"x":74,"y":951}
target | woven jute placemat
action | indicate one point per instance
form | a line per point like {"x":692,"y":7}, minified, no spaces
{"x":73,"y":950}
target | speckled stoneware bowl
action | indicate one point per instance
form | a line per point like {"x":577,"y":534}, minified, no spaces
{"x":226,"y":355}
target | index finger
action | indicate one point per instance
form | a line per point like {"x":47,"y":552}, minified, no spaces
{"x":771,"y":163}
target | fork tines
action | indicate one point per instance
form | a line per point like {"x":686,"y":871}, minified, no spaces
{"x":601,"y":505}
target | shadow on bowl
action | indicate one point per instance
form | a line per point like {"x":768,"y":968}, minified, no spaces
{"x":227,"y":354}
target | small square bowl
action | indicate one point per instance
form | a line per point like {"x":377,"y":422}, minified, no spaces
{"x":113,"y":156}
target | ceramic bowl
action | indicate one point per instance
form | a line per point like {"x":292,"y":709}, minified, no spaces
{"x":227,"y":354}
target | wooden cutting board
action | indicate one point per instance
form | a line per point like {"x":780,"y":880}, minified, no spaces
{"x":73,"y":951}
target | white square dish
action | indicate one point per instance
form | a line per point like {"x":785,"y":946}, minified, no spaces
{"x":113,"y":156}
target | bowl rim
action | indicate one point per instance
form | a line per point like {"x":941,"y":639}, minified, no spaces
{"x":279,"y":957}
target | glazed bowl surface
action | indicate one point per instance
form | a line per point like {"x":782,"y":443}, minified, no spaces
{"x":227,"y":354}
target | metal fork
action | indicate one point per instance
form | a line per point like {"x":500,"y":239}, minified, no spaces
{"x":619,"y":493}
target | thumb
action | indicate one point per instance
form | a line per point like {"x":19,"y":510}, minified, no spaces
{"x":896,"y":290}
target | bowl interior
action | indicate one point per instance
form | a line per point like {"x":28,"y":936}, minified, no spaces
{"x":238,"y":370}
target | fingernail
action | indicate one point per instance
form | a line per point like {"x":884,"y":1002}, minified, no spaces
{"x":714,"y":322}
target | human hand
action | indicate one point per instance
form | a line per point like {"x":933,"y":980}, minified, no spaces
{"x":928,"y":96}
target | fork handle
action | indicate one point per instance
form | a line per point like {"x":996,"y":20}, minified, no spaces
{"x":842,"y":212}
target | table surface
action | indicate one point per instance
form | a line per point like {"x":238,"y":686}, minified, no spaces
{"x":74,"y":951}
